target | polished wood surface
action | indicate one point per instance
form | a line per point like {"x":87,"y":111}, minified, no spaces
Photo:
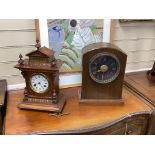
{"x":143,"y":85}
{"x":76,"y":117}
{"x":139,"y":83}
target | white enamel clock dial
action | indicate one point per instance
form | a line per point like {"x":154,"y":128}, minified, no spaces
{"x":39,"y":83}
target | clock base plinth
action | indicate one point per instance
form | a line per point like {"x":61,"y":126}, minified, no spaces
{"x":51,"y":107}
{"x":102,"y":101}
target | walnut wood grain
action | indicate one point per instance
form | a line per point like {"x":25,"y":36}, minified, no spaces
{"x":79,"y":119}
{"x":41,"y":62}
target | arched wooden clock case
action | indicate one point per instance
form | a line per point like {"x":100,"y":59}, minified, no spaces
{"x":103,"y":69}
{"x":41,"y":74}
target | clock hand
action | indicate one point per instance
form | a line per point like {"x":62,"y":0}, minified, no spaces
{"x":99,"y":70}
{"x":40,"y":85}
{"x":103,"y":68}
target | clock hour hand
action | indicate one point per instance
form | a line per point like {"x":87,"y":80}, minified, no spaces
{"x":99,"y":70}
{"x":40,"y":85}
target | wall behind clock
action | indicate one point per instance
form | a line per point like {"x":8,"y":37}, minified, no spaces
{"x":137,"y":39}
{"x":16,"y":36}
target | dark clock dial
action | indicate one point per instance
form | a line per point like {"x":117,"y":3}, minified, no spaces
{"x":104,"y":68}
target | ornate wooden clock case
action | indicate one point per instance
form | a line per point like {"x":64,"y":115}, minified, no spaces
{"x":41,"y":74}
{"x":103,"y":69}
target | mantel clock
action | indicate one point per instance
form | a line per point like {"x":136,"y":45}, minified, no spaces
{"x":103,"y":69}
{"x":41,"y":74}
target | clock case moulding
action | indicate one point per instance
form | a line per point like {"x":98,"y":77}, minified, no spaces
{"x":41,"y":62}
{"x":93,"y":92}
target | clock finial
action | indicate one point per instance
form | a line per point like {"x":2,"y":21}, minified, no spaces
{"x":53,"y":62}
{"x":20,"y":61}
{"x":38,"y":44}
{"x":54,"y":96}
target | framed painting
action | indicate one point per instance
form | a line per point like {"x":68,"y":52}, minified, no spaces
{"x":67,"y":37}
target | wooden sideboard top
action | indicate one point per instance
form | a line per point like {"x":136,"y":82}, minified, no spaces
{"x":81,"y":116}
{"x":139,"y":83}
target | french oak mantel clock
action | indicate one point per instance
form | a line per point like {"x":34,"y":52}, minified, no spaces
{"x":41,"y":74}
{"x":103,"y":69}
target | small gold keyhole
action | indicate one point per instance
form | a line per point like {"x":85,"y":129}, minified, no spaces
{"x":103,"y":68}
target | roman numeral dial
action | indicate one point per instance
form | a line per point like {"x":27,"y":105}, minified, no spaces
{"x":104,"y":68}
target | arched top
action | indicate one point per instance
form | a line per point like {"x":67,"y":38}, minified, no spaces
{"x":101,"y":45}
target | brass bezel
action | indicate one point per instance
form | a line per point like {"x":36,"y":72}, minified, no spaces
{"x":44,"y":77}
{"x":110,"y":79}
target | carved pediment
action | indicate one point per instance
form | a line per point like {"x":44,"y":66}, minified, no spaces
{"x":36,"y":54}
{"x":41,"y":52}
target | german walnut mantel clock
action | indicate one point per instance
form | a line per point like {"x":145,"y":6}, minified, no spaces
{"x":103,"y":68}
{"x":41,"y":74}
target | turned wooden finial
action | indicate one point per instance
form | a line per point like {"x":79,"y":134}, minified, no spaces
{"x":54,"y":96}
{"x":20,"y":61}
{"x":38,"y":44}
{"x":53,"y":62}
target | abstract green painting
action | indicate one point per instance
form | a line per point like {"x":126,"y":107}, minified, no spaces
{"x":67,"y":37}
